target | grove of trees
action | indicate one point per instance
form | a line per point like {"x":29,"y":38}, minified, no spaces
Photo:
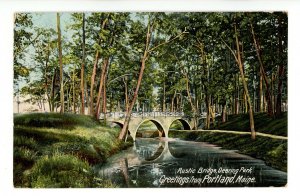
{"x":199,"y":63}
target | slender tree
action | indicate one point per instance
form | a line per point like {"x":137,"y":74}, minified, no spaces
{"x":281,"y":41}
{"x":239,"y":60}
{"x":97,"y":56}
{"x":82,"y":80}
{"x":62,"y":99}
{"x":262,"y":71}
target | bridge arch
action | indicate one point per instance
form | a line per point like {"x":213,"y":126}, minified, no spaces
{"x":184,"y":123}
{"x":118,"y":123}
{"x":159,"y":126}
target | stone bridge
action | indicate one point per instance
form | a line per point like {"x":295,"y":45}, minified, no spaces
{"x":162,"y":120}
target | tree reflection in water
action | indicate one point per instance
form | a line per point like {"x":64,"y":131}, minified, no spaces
{"x":150,"y":159}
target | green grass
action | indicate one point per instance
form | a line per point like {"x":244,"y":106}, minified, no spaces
{"x":272,"y":151}
{"x":60,"y":170}
{"x":68,"y":145}
{"x":263,"y":123}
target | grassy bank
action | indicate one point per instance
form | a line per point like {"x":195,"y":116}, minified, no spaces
{"x":272,"y":151}
{"x":263,"y":123}
{"x":54,"y":150}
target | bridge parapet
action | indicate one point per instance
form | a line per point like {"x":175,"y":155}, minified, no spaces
{"x":121,"y":115}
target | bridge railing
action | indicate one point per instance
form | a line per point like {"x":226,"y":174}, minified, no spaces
{"x":118,"y":115}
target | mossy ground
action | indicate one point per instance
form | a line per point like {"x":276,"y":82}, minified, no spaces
{"x":54,"y":150}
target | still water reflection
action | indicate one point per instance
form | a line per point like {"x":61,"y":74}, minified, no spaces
{"x":154,"y":162}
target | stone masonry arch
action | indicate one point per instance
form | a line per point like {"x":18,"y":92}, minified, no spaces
{"x":184,"y":123}
{"x":158,"y":125}
{"x":118,"y":123}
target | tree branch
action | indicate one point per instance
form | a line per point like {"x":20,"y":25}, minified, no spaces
{"x":235,"y":57}
{"x":118,"y":78}
{"x":166,"y":42}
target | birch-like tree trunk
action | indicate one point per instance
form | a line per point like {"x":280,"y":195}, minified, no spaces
{"x":62,"y":100}
{"x":103,"y":71}
{"x":91,"y":107}
{"x":82,"y":76}
{"x":240,"y":65}
{"x":280,"y":68}
{"x":262,"y":70}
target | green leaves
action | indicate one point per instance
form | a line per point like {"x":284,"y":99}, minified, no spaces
{"x":22,"y":40}
{"x":200,"y":53}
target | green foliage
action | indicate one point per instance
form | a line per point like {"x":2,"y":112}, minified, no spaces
{"x":199,"y":56}
{"x":22,"y":39}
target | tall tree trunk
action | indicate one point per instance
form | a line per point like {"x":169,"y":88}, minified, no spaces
{"x":82,"y":80}
{"x":213,"y":113}
{"x":173,"y":101}
{"x":91,"y":107}
{"x":86,"y":93}
{"x":164,"y":98}
{"x":261,"y":94}
{"x":177,"y":103}
{"x":103,"y":71}
{"x":53,"y":91}
{"x":68,"y":98}
{"x":46,"y":78}
{"x":237,"y":98}
{"x":245,"y":102}
{"x":126,"y":94}
{"x":240,"y":64}
{"x":272,"y":91}
{"x":208,"y":114}
{"x":207,"y":95}
{"x":104,"y":99}
{"x":191,"y":101}
{"x":143,"y":64}
{"x":62,"y":100}
{"x":258,"y":53}
{"x":280,"y":68}
{"x":265,"y":104}
{"x":224,"y":113}
{"x":74,"y":99}
{"x":128,"y":114}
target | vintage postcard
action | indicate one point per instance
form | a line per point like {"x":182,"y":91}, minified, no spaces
{"x":150,"y":99}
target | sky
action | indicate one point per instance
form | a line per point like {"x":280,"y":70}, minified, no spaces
{"x":48,"y":19}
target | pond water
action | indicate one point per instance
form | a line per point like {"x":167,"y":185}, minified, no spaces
{"x":160,"y":162}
